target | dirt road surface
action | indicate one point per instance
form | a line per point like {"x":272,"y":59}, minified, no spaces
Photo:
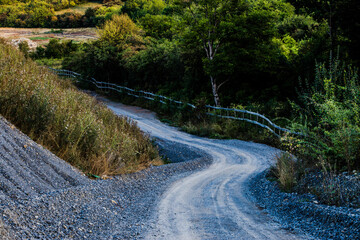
{"x":41,"y":36}
{"x":212,"y":203}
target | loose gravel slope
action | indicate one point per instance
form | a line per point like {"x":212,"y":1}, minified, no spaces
{"x":27,"y":169}
{"x":43,"y":197}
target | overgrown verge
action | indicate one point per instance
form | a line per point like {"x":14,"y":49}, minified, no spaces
{"x":69,"y":123}
{"x":328,"y":155}
{"x":195,"y":121}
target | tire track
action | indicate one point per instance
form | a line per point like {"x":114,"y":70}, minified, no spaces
{"x":212,"y":203}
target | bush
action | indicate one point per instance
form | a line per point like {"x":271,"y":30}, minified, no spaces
{"x":120,"y":31}
{"x":55,"y":49}
{"x":24,"y":48}
{"x":330,"y":117}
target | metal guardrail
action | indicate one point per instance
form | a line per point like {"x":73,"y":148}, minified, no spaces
{"x":230,"y":113}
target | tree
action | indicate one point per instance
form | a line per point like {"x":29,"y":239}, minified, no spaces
{"x":343,"y":19}
{"x":119,"y":39}
{"x":39,"y":12}
{"x":54,"y":49}
{"x":160,"y":58}
{"x":159,"y":26}
{"x":139,"y":8}
{"x":121,"y":31}
{"x":209,"y":22}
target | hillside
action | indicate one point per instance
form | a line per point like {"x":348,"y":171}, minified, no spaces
{"x":80,"y":8}
{"x":56,"y":14}
{"x":43,"y":197}
{"x":68,"y":122}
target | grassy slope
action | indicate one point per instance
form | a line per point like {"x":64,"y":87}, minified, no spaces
{"x":69,"y":123}
{"x":81,"y":8}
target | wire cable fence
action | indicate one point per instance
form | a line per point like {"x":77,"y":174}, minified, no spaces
{"x":229,"y":113}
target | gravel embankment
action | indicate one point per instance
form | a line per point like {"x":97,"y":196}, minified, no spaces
{"x":295,"y":211}
{"x":117,"y":208}
{"x":43,"y":197}
{"x":27,"y":169}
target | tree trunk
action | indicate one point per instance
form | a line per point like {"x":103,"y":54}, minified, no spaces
{"x":211,"y":50}
{"x":215,"y":91}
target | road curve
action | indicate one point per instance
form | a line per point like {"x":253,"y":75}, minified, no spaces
{"x":212,"y":203}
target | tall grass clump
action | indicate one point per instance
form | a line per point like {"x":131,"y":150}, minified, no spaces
{"x":286,"y":171}
{"x":68,"y":122}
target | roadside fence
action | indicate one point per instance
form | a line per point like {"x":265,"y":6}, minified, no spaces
{"x":230,"y":113}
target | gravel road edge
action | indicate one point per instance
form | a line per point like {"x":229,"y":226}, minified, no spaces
{"x":302,"y":212}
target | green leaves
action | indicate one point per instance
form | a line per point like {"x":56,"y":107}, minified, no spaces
{"x":139,"y":8}
{"x":161,"y":26}
{"x":332,"y":110}
{"x":121,"y":32}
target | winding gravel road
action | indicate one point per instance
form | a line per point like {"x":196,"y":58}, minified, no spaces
{"x":212,"y":203}
{"x":204,"y":195}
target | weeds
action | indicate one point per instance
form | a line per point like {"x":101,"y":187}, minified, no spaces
{"x":285,"y":171}
{"x":229,"y":129}
{"x":69,"y":123}
{"x":332,"y":189}
{"x":328,"y":116}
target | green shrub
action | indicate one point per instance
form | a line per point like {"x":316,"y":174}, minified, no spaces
{"x":24,"y":48}
{"x":329,"y":116}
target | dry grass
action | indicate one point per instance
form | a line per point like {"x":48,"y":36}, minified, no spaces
{"x":285,"y":171}
{"x":81,"y":8}
{"x":69,"y":123}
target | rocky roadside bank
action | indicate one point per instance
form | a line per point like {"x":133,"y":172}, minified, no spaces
{"x":43,"y":197}
{"x":303,"y":211}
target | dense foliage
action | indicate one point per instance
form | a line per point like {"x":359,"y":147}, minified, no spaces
{"x":260,"y":46}
{"x":330,"y":118}
{"x":343,"y":19}
{"x":56,"y":4}
{"x":42,"y":13}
